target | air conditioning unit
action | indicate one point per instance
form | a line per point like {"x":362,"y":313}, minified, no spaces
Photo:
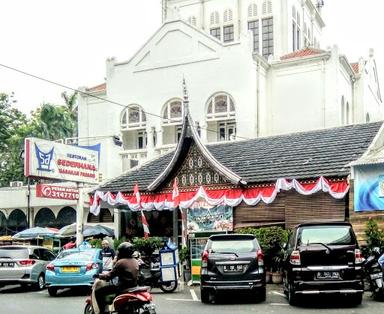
{"x":15,"y":184}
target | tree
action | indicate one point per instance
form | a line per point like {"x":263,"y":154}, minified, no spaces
{"x":49,"y":122}
{"x":71,"y":103}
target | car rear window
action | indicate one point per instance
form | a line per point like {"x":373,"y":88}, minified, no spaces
{"x":15,"y":253}
{"x":76,"y":256}
{"x":232,"y":246}
{"x":331,"y":235}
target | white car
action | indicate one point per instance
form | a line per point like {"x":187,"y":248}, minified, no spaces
{"x":24,"y":264}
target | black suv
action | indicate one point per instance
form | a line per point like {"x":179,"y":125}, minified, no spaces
{"x":232,"y":262}
{"x":323,"y":258}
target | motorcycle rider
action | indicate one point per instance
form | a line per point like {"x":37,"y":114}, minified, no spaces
{"x":126,"y":269}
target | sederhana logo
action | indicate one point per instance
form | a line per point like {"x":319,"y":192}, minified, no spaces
{"x":44,"y":159}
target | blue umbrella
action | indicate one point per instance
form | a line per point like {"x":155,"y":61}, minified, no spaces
{"x":35,"y":232}
{"x":98,"y":230}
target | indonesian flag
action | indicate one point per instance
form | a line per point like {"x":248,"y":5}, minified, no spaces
{"x":145,"y":225}
{"x":136,"y":193}
{"x":175,"y":194}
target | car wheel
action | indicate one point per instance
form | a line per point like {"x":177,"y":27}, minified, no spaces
{"x":292,"y":298}
{"x":261,"y":294}
{"x":204,"y":295}
{"x":52,"y":291}
{"x":40,"y":284}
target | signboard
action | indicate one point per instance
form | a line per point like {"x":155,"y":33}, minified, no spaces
{"x":47,"y":159}
{"x":205,"y":218}
{"x":56,"y":192}
{"x":369,"y":187}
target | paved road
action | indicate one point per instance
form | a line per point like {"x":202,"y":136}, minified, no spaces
{"x":16,"y":300}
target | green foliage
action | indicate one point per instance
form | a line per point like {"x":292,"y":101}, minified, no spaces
{"x":271,"y":240}
{"x":184,"y":254}
{"x":375,"y":236}
{"x":49,"y":122}
{"x":95,"y":243}
{"x":147,"y":246}
{"x":117,"y":242}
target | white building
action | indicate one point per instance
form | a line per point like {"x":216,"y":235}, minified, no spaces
{"x":253,"y":68}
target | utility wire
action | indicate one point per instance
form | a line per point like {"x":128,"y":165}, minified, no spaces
{"x":99,"y":98}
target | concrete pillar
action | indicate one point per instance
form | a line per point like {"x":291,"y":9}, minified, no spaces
{"x":80,"y":215}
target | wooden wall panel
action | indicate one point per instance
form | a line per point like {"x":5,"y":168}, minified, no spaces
{"x":291,"y":208}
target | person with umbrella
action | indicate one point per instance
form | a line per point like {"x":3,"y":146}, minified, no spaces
{"x":107,"y":254}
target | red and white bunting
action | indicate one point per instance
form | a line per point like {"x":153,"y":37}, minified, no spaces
{"x":145,"y":225}
{"x":232,"y":197}
{"x":136,"y":192}
{"x":175,"y":194}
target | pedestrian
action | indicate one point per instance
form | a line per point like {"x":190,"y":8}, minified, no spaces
{"x":107,"y":255}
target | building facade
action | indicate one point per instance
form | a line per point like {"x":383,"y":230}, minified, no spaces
{"x":253,"y":69}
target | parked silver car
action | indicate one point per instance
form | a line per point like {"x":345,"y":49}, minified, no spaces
{"x":24,"y":264}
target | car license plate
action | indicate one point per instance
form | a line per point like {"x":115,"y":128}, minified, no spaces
{"x":7,"y":264}
{"x":233,"y":268}
{"x":70,"y":269}
{"x":328,"y":275}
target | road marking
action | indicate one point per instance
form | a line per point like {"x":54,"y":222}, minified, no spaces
{"x":193,"y":294}
{"x":171,"y":299}
{"x":278,"y":304}
{"x":278,"y":293}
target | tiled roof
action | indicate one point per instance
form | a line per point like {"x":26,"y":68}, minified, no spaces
{"x":299,"y":155}
{"x":98,"y":88}
{"x":355,"y":67}
{"x":302,"y":53}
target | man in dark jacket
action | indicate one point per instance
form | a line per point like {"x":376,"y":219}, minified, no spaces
{"x":126,"y":269}
{"x":107,"y":254}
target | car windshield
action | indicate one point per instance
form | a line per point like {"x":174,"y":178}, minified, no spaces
{"x":76,"y":256}
{"x":12,"y":252}
{"x":328,"y":235}
{"x":233,"y":246}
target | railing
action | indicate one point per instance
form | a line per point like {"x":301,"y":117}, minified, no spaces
{"x":165,"y":148}
{"x":133,"y":157}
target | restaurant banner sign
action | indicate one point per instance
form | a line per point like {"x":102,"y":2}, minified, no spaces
{"x":56,"y":192}
{"x":51,"y":160}
{"x":205,"y":218}
{"x":369,"y":187}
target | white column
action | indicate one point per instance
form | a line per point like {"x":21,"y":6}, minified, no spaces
{"x":159,"y":140}
{"x":79,"y":215}
{"x":204,"y":133}
{"x":150,"y":142}
{"x":117,"y":222}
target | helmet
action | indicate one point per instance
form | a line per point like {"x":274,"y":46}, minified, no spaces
{"x":125,"y":250}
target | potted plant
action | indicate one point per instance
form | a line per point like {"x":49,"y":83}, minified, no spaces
{"x":184,"y":256}
{"x":276,"y":274}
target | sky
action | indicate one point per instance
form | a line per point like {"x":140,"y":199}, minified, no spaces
{"x":68,"y":41}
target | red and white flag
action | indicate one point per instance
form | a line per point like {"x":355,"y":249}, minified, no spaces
{"x":145,"y":225}
{"x":175,"y":194}
{"x":136,"y":193}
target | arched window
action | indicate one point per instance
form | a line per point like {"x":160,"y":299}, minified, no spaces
{"x":252,"y":10}
{"x":342,"y":111}
{"x":267,"y":7}
{"x":133,"y":117}
{"x":66,"y":216}
{"x":45,"y":218}
{"x":192,"y":20}
{"x":221,"y":106}
{"x":215,"y":18}
{"x":17,"y":221}
{"x":228,"y":16}
{"x":347,"y":114}
{"x":173,"y":111}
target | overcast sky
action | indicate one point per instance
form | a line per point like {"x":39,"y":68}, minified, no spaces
{"x":68,"y":41}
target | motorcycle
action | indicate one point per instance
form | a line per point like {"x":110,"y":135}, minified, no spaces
{"x":374,"y":275}
{"x":137,"y":300}
{"x":150,"y":274}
